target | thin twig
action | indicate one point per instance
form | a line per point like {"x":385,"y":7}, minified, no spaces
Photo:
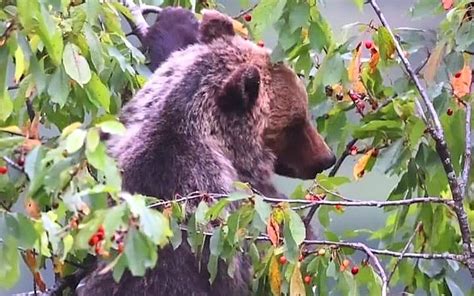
{"x":377,"y":263}
{"x":244,"y":12}
{"x":467,"y":151}
{"x":13,"y":164}
{"x":436,"y":131}
{"x":405,"y":249}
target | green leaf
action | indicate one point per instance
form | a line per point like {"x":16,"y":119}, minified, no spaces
{"x":320,"y":33}
{"x":385,"y":43}
{"x":297,"y":228}
{"x":6,"y":105}
{"x":75,"y":140}
{"x":76,"y":65}
{"x":267,"y":12}
{"x":95,"y":48}
{"x":58,"y":87}
{"x":98,"y":93}
{"x":92,"y":139}
{"x":212,"y":265}
{"x":392,"y":129}
{"x":298,"y":16}
{"x":112,"y":127}
{"x":10,"y":267}
{"x":359,"y":4}
{"x":140,"y":252}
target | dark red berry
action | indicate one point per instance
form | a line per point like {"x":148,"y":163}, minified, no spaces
{"x":248,"y":17}
{"x":3,"y":170}
{"x":20,"y":161}
{"x":307,"y":279}
{"x":355,"y":270}
{"x":120,"y":248}
{"x":449,"y":112}
{"x":368,"y":44}
{"x":457,"y":75}
{"x":283,"y":260}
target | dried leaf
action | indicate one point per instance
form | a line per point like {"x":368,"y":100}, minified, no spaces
{"x":296,"y":284}
{"x":359,"y":168}
{"x":374,"y":59}
{"x":58,"y":266}
{"x":240,"y":29}
{"x":32,"y":208}
{"x":433,"y":63}
{"x":273,"y":231}
{"x":447,"y":4}
{"x":39,"y":281}
{"x":354,"y":72}
{"x":461,"y":82}
{"x":275,"y":277}
{"x":30,"y":260}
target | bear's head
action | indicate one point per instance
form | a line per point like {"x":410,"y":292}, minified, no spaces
{"x":300,"y":150}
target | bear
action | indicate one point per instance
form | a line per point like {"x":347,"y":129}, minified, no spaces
{"x":175,"y":28}
{"x":300,"y":150}
{"x":199,"y":124}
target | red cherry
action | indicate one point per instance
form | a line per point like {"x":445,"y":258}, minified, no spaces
{"x":120,"y":248}
{"x":339,"y":207}
{"x":301,"y":258}
{"x":355,"y":270}
{"x":3,"y":170}
{"x":368,"y":44}
{"x":260,"y":43}
{"x":307,"y":279}
{"x":248,"y":17}
{"x":450,"y":112}
{"x":283,"y":260}
{"x":98,"y":249}
{"x":457,"y":75}
{"x":93,"y":240}
{"x":101,"y":229}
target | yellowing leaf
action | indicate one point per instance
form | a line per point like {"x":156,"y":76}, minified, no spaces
{"x":432,"y":65}
{"x":461,"y":82}
{"x":304,"y":34}
{"x":359,"y":168}
{"x":240,"y":29}
{"x":12,"y":129}
{"x":296,"y":283}
{"x":275,"y":276}
{"x":70,"y":128}
{"x":19,"y":63}
{"x":58,"y":266}
{"x":273,"y":231}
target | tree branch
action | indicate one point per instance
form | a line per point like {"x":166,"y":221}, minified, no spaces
{"x":244,"y":12}
{"x":405,"y":249}
{"x":437,"y":133}
{"x":467,"y":151}
{"x":377,"y":264}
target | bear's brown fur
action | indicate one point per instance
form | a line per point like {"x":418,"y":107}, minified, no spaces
{"x":200,"y":123}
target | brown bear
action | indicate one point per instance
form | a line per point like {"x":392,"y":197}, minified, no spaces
{"x":204,"y":120}
{"x":300,"y":151}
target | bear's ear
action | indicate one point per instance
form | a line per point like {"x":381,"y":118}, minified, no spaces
{"x":240,"y":91}
{"x":214,"y":25}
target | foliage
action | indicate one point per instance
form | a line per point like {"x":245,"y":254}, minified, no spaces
{"x":67,"y":67}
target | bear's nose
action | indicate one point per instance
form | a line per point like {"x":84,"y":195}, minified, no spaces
{"x":329,"y":161}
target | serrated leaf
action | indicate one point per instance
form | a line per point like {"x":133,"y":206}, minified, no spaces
{"x":140,"y":252}
{"x":76,"y":65}
{"x":431,"y":69}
